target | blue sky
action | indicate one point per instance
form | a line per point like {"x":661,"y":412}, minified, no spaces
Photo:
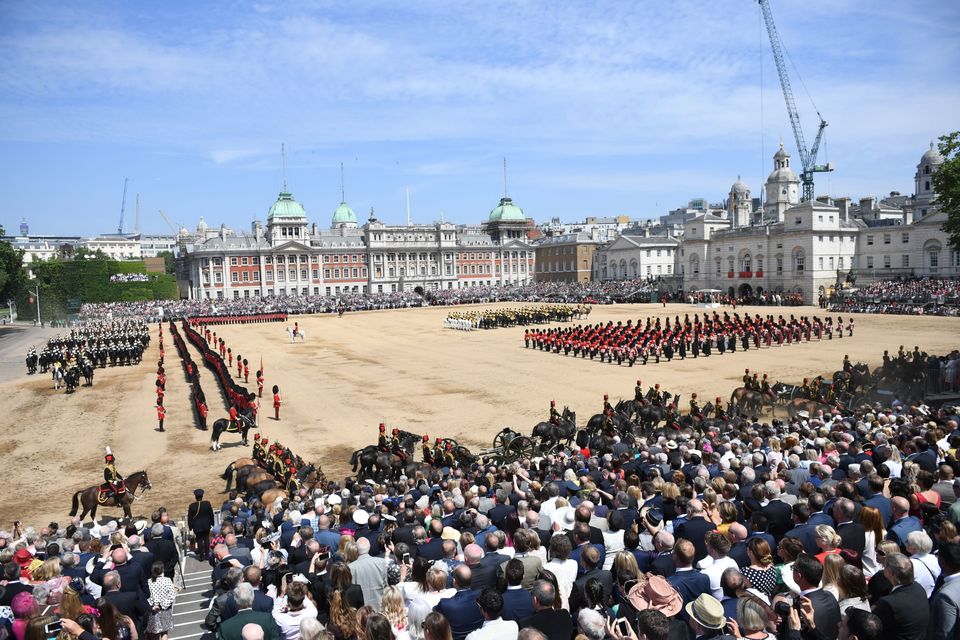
{"x":600,"y":108}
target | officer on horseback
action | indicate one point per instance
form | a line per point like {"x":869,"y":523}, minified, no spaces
{"x":448,"y":459}
{"x":554,"y":414}
{"x":806,"y":391}
{"x":438,"y":451}
{"x":847,"y":365}
{"x":638,"y":392}
{"x":695,"y":406}
{"x":765,"y":387}
{"x":113,"y":481}
{"x":383,"y":442}
{"x":290,"y":481}
{"x":395,"y":447}
{"x":427,"y":450}
{"x":719,"y":411}
{"x":607,"y":407}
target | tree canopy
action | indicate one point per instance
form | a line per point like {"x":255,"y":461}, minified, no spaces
{"x":12,"y":275}
{"x":946,"y":182}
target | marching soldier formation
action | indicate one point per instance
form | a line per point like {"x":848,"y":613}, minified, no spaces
{"x":497,"y":318}
{"x":118,"y":343}
{"x":697,"y":336}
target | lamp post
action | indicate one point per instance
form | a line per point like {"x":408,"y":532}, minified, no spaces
{"x":37,"y":294}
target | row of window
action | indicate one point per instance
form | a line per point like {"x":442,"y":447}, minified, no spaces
{"x":362,"y":258}
{"x":904,"y":238}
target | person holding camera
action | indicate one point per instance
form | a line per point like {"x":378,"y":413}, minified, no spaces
{"x":817,"y":611}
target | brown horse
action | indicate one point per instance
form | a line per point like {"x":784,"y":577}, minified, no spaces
{"x":234,"y":467}
{"x":270,"y":497}
{"x":797,"y":405}
{"x":89,"y":497}
{"x":744,"y":400}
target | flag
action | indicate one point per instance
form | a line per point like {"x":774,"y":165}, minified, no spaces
{"x":261,"y":364}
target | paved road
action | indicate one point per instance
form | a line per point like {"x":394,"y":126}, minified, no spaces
{"x":14,"y":342}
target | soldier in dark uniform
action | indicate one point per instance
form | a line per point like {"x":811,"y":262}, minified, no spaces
{"x":806,"y":391}
{"x":200,"y":521}
{"x":257,"y":453}
{"x":638,"y":392}
{"x":113,"y":481}
{"x":607,"y":408}
{"x":438,"y":451}
{"x":847,"y":365}
{"x":448,"y":459}
{"x":383,"y":442}
{"x":427,"y":450}
{"x":719,"y":412}
{"x":695,"y":406}
{"x":765,"y":387}
{"x":746,"y":378}
{"x":291,"y":483}
{"x":395,"y":447}
{"x":554,"y":414}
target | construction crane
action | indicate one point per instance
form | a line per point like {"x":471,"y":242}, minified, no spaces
{"x":169,"y":224}
{"x":123,"y":206}
{"x":808,"y":157}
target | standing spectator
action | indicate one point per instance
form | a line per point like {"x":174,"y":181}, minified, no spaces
{"x":903,"y":522}
{"x":291,"y":607}
{"x":437,"y":627}
{"x":904,"y":613}
{"x":689,"y":582}
{"x":555,"y":624}
{"x":945,"y":604}
{"x":872,"y":522}
{"x":200,"y":522}
{"x":761,"y":572}
{"x":494,"y":626}
{"x":926,"y":570}
{"x":162,"y":596}
{"x":461,"y":608}
{"x":233,"y":629}
{"x":370,"y":573}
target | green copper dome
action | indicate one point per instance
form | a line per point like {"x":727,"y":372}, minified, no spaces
{"x":344,"y":215}
{"x":286,"y":207}
{"x":506,"y":211}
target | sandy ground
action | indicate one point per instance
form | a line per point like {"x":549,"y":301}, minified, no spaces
{"x":399,"y":367}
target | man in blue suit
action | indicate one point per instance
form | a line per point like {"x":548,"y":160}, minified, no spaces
{"x":688,"y":582}
{"x":461,"y":608}
{"x":517,"y":601}
{"x":903,"y":522}
{"x":876,"y":499}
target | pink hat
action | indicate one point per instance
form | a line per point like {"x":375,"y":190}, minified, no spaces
{"x":656,"y":593}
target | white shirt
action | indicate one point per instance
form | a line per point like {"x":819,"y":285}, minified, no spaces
{"x":613,"y":542}
{"x":926,"y":570}
{"x":498,"y":629}
{"x":566,"y":573}
{"x":714,"y":571}
{"x":870,"y":564}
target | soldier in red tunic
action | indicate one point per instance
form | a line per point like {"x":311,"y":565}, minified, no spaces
{"x":276,"y":402}
{"x":246,"y":371}
{"x":161,"y":412}
{"x":259,"y":384}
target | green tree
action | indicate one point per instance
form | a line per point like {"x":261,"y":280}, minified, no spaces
{"x":946,"y":182}
{"x":168,"y":261}
{"x":13,"y":277}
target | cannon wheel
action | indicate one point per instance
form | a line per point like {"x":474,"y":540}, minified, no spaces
{"x":520,"y":447}
{"x":504,"y":437}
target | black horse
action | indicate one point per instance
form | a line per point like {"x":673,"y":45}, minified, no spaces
{"x":72,"y":378}
{"x":32,"y":359}
{"x":373,"y":462}
{"x":87,"y":370}
{"x":221,"y":426}
{"x":554,"y":434}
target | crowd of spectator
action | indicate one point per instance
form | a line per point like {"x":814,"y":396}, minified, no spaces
{"x":129,"y":277}
{"x":571,"y":292}
{"x":823,"y":526}
{"x":909,"y":296}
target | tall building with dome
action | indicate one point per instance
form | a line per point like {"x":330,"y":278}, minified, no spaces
{"x":806,"y":248}
{"x":292,"y":256}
